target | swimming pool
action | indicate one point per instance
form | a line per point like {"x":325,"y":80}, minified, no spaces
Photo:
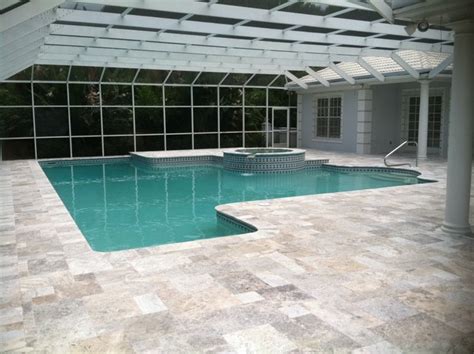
{"x":124,"y":205}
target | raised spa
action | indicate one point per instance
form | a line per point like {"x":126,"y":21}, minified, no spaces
{"x":264,"y":160}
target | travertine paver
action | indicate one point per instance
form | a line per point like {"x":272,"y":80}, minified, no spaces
{"x":362,"y":271}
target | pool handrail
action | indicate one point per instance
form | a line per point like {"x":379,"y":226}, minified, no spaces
{"x":406,"y":142}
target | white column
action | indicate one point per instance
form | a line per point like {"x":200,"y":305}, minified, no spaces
{"x":364,"y":121}
{"x":458,"y":192}
{"x":423,"y":119}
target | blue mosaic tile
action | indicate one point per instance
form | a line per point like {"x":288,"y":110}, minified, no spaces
{"x":234,"y":223}
{"x":245,"y":163}
{"x":81,"y":162}
{"x":233,"y":162}
{"x":370,"y":169}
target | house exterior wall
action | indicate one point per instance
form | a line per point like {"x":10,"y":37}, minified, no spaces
{"x":389,"y":118}
{"x":386,"y":118}
{"x":348,"y":139}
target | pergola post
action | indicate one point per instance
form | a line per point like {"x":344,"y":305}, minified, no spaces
{"x":423,"y":120}
{"x":458,"y":191}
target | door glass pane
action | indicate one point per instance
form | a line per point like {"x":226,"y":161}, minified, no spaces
{"x":280,"y":128}
{"x":279,"y":138}
{"x":280,"y":120}
{"x":293,"y":139}
{"x":434,"y":119}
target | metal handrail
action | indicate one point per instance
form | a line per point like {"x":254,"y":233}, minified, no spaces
{"x":396,"y":149}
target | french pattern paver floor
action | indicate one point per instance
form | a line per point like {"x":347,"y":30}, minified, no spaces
{"x":362,"y":271}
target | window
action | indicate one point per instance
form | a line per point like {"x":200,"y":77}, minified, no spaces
{"x":434,"y":119}
{"x":328,"y":117}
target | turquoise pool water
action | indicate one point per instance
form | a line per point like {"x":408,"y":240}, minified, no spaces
{"x":122,"y":206}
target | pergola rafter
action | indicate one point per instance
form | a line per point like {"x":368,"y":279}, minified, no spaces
{"x":441,"y":66}
{"x":317,"y":76}
{"x":342,"y":73}
{"x":150,"y":63}
{"x":399,"y":60}
{"x":168,"y":57}
{"x":146,"y":22}
{"x":377,"y":74}
{"x":191,"y":49}
{"x":211,"y":42}
{"x":277,"y":17}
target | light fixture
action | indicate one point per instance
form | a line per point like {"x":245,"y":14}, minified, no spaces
{"x":411,"y":28}
{"x":421,"y":26}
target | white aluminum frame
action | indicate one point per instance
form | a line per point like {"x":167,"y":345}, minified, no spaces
{"x":133,"y":107}
{"x":287,"y":109}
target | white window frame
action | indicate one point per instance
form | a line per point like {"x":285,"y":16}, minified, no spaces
{"x":315,"y":118}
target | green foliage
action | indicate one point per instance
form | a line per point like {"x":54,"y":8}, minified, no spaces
{"x":16,"y":122}
{"x":255,"y":97}
{"x":255,"y":119}
{"x":116,"y":95}
{"x":15,"y":94}
{"x":50,"y":72}
{"x":148,"y":95}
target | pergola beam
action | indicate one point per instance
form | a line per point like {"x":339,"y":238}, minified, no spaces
{"x":342,"y":73}
{"x":198,"y":65}
{"x":32,"y":25}
{"x":282,"y":6}
{"x":383,"y":9}
{"x":191,"y":49}
{"x":317,"y":76}
{"x":13,"y":56}
{"x":288,"y":64}
{"x":26,"y":12}
{"x":441,"y":66}
{"x":294,"y":79}
{"x":399,"y":60}
{"x":377,"y":74}
{"x":26,"y":41}
{"x":20,"y":62}
{"x":123,"y":63}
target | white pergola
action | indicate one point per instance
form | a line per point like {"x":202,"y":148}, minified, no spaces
{"x":312,"y":43}
{"x":349,"y":38}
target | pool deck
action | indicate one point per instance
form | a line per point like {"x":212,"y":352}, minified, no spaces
{"x":362,"y":271}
